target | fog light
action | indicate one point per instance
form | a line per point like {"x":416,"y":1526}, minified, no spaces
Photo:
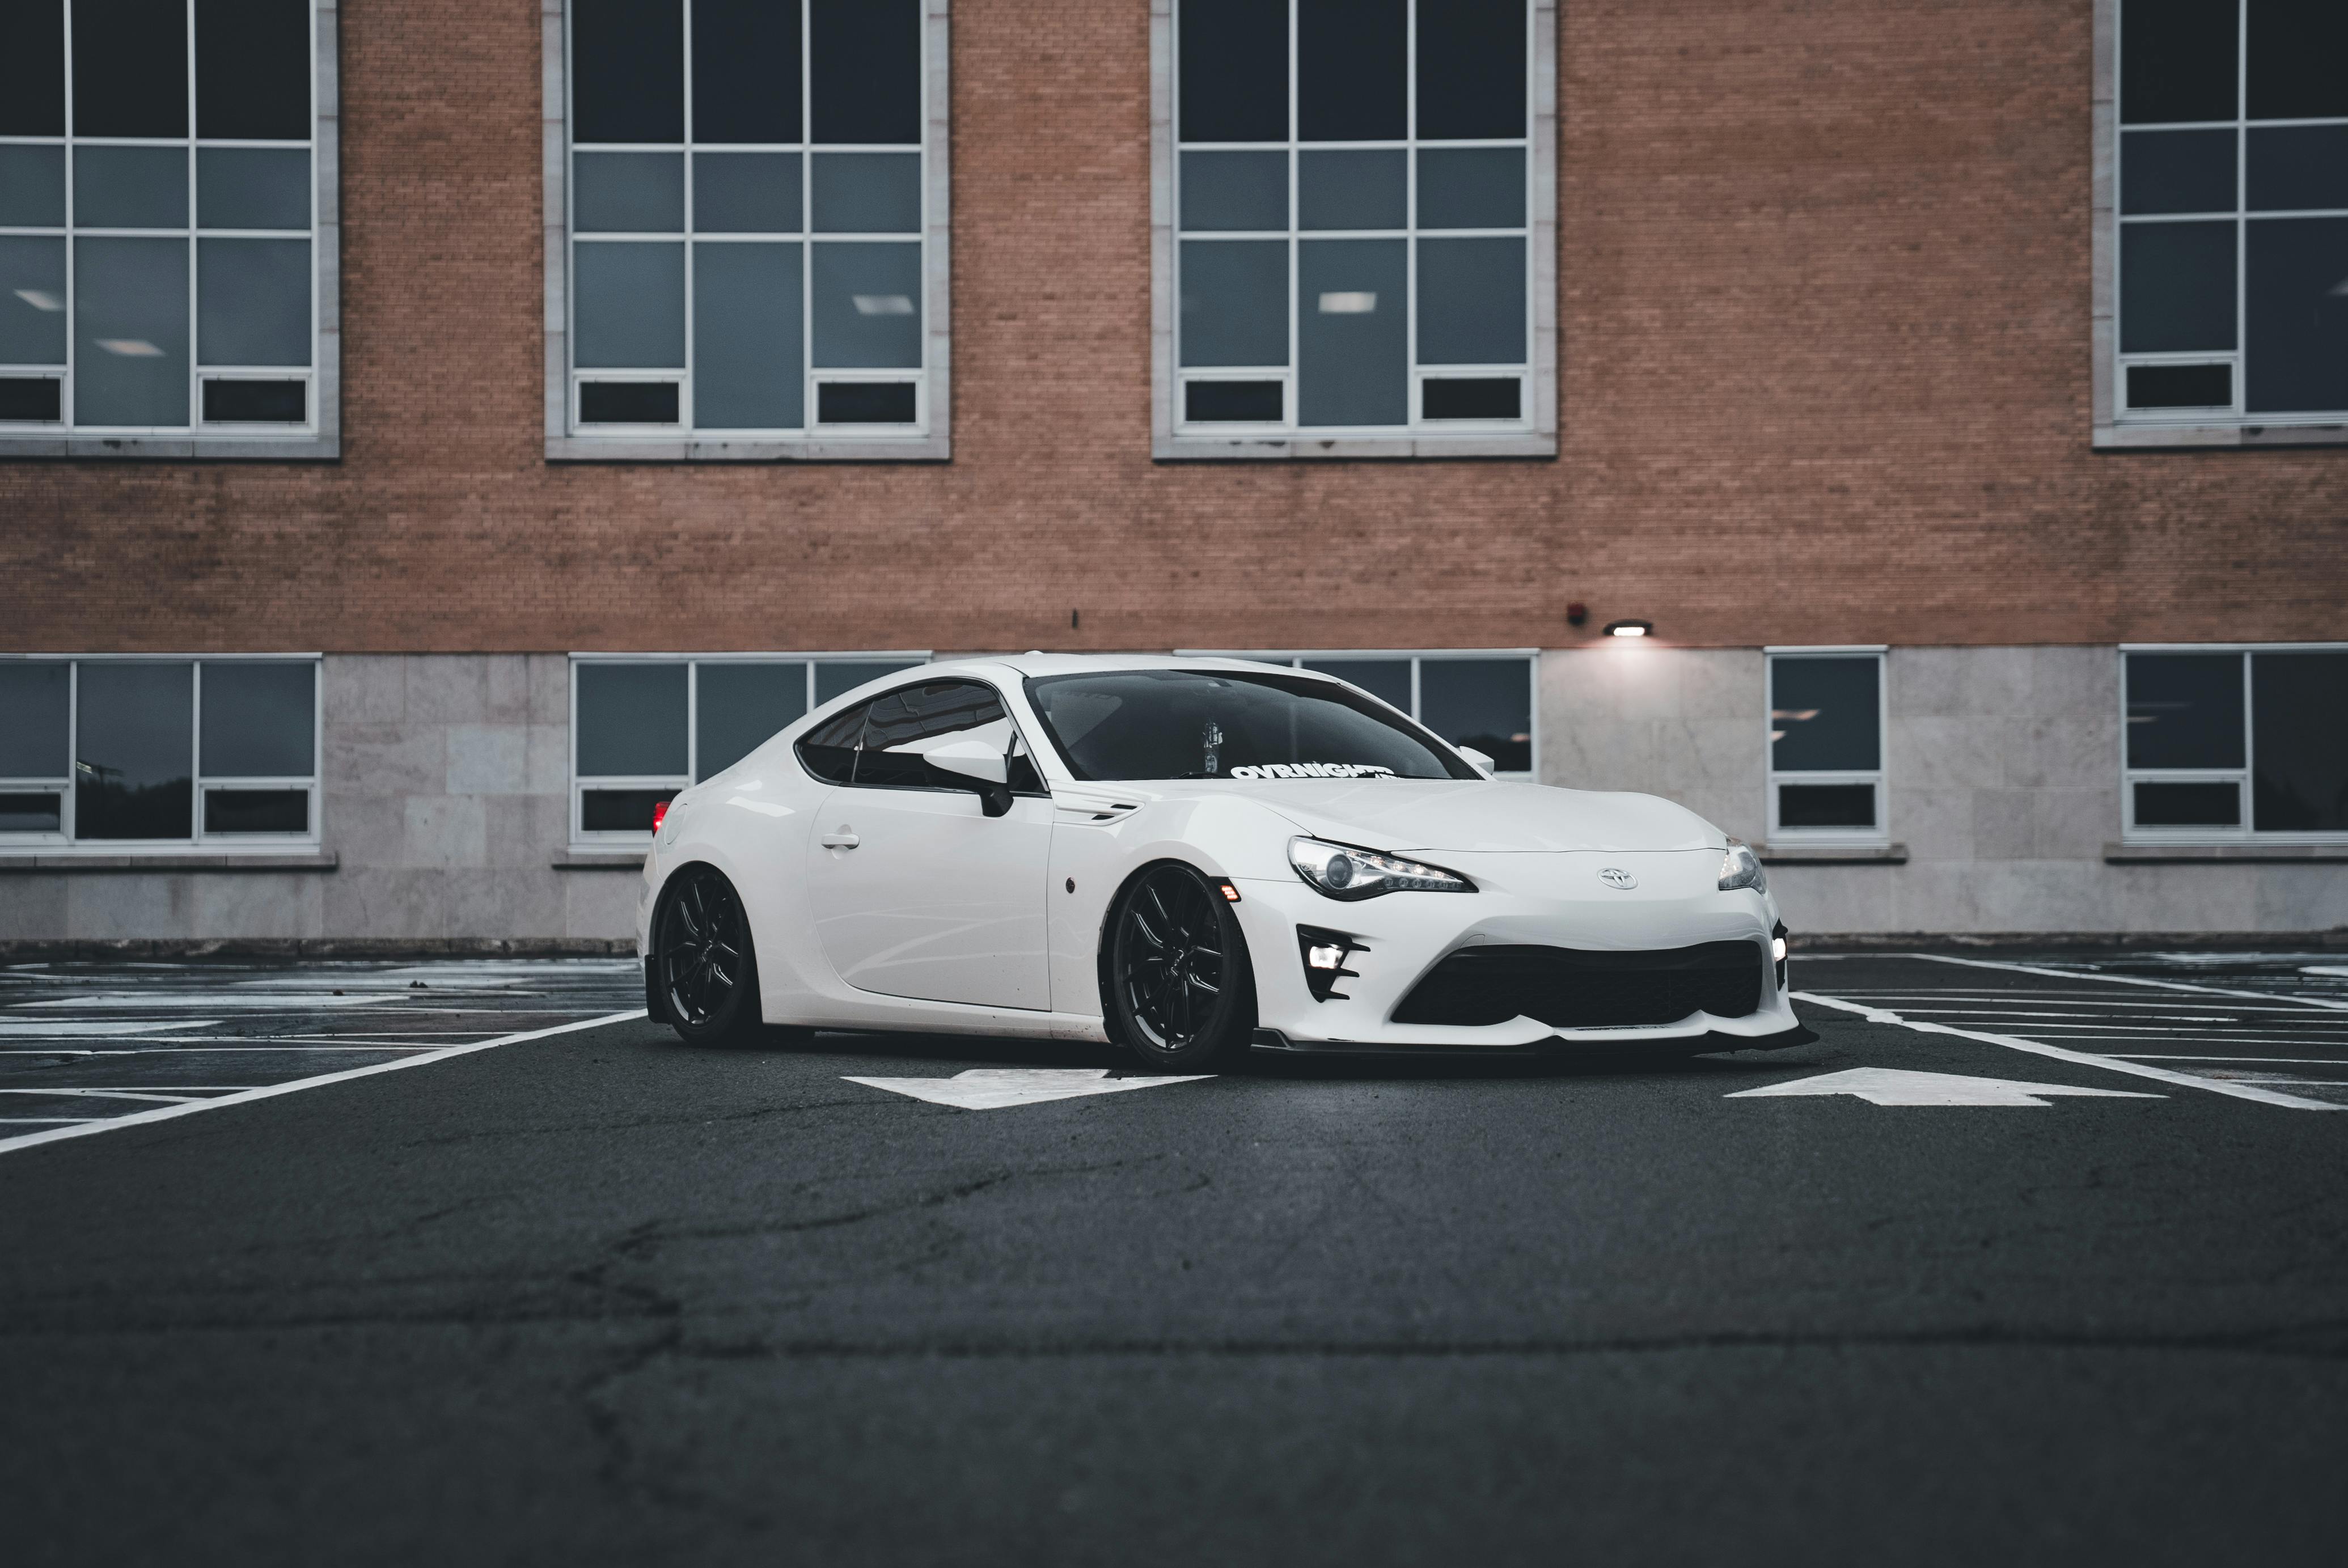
{"x":1325,"y":953}
{"x":1331,"y":957}
{"x":1778,"y":948}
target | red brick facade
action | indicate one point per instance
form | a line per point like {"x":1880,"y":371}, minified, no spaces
{"x":1824,"y":295}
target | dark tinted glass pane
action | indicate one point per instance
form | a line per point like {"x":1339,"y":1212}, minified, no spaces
{"x":1471,"y":68}
{"x":1235,"y":302}
{"x":37,"y":810}
{"x":134,"y":748}
{"x":256,"y":811}
{"x":242,"y":402}
{"x":131,"y":187}
{"x":33,"y":186}
{"x":741,"y":705}
{"x":627,"y":192}
{"x":1474,"y":398}
{"x":32,"y":300}
{"x":2178,"y":60}
{"x":2299,"y":783}
{"x":630,"y":720}
{"x":32,"y":398}
{"x":868,"y":305}
{"x":748,"y":365}
{"x":1234,"y":191}
{"x":1190,"y":724}
{"x":1826,"y":805}
{"x":2176,"y":287}
{"x":2184,"y":710}
{"x":619,"y":810}
{"x":865,"y":71}
{"x":2180,"y":386}
{"x":252,"y":69}
{"x":828,"y":751}
{"x":746,"y":70}
{"x":33,"y":69}
{"x":253,"y":302}
{"x":1471,"y":302}
{"x":2297,"y":168}
{"x":1351,"y":63}
{"x":1231,"y":401}
{"x":867,"y":193}
{"x":2297,"y":317}
{"x":252,"y":187}
{"x":627,"y":402}
{"x":745,"y":193}
{"x":2299,"y":59}
{"x":1233,"y":71}
{"x":630,"y":309}
{"x":903,"y":724}
{"x":1825,"y":715}
{"x":1356,"y":189}
{"x":833,"y":678}
{"x":1471,"y":187}
{"x":1388,"y":680}
{"x":130,"y":316}
{"x":1353,"y":332}
{"x":627,"y":70}
{"x":1486,"y":704}
{"x":131,"y":72}
{"x":260,"y":720}
{"x":2189,"y":806}
{"x":2177,"y":171}
{"x":32,"y":699}
{"x":866,"y":403}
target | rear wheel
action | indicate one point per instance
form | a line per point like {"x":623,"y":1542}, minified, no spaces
{"x":704,"y":965}
{"x":1181,"y":993}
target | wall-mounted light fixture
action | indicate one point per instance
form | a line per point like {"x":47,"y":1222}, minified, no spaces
{"x":1629,"y":628}
{"x":1576,"y":613}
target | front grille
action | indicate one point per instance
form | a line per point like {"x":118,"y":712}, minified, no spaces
{"x":1567,"y":987}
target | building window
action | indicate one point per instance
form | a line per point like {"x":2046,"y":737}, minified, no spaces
{"x":2230,"y":213}
{"x":1358,"y":195}
{"x":162,"y":263}
{"x":752,"y":263}
{"x":2233,"y":744}
{"x":116,"y":755}
{"x":642,"y":728}
{"x":1826,"y":745}
{"x":1479,"y":699}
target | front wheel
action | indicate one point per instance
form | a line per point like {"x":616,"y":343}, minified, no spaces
{"x":1181,"y":993}
{"x":703,"y":965}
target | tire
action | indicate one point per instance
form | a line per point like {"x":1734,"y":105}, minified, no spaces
{"x":1181,"y":993}
{"x":704,"y":966}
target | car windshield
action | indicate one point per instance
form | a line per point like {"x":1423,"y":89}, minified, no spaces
{"x":1223,"y":725}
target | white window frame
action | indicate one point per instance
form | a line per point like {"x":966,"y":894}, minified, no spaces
{"x":320,"y":434}
{"x":2115,"y":425}
{"x":1878,"y":776}
{"x":63,"y":842}
{"x":2244,"y":833}
{"x":1532,"y":435}
{"x":581,"y":784}
{"x":929,"y":438}
{"x":1296,"y":658}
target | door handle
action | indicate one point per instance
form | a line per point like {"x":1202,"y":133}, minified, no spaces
{"x":843,"y":839}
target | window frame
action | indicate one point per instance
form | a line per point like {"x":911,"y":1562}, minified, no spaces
{"x":581,"y":839}
{"x":2244,"y":832}
{"x":64,"y":844}
{"x":320,"y":436}
{"x":929,"y":439}
{"x":1296,"y":658}
{"x":2114,"y":427}
{"x":1878,"y":776}
{"x":1535,"y":436}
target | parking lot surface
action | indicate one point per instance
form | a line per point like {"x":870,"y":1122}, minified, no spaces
{"x":2029,"y":1259}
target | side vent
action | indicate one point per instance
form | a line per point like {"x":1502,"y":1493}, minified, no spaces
{"x":1076,"y":807}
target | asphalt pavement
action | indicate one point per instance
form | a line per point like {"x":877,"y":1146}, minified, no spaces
{"x":2029,"y":1259}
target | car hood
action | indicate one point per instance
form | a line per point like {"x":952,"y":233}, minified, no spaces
{"x":1457,"y":815}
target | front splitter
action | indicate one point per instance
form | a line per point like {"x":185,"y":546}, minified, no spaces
{"x":1272,"y":1040}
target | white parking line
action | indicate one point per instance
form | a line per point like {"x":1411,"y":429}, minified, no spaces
{"x":2038,"y":1047}
{"x":2133,"y":980}
{"x":164,"y":1112}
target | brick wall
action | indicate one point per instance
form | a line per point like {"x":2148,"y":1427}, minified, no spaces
{"x":1823,"y":287}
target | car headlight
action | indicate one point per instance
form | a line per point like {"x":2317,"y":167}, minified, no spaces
{"x":1740,"y":868}
{"x":1343,"y":872}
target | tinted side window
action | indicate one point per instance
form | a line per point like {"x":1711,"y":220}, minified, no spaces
{"x":828,"y":751}
{"x":913,"y":720}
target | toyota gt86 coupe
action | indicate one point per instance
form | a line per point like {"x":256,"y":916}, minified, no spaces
{"x":1190,"y":857}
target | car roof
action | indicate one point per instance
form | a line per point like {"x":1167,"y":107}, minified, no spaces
{"x":1038,"y":663}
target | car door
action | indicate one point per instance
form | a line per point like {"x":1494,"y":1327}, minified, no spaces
{"x":914,"y":890}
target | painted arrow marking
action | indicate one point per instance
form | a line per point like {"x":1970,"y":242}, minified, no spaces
{"x":992,"y":1088}
{"x":1894,"y":1086}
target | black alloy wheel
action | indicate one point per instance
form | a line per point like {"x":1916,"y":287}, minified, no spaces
{"x":1181,"y":993}
{"x":707,"y":970}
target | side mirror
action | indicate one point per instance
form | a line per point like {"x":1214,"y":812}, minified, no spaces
{"x":985,"y":767}
{"x":1476,"y":760}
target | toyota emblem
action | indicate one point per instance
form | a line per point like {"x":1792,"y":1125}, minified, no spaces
{"x":1615,"y":876}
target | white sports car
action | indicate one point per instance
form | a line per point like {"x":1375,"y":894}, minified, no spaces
{"x":1190,"y":858}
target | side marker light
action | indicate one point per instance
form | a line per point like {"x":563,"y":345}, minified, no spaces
{"x":660,"y":813}
{"x":1230,"y":894}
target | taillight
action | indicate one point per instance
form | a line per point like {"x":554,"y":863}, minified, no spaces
{"x":660,"y":813}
